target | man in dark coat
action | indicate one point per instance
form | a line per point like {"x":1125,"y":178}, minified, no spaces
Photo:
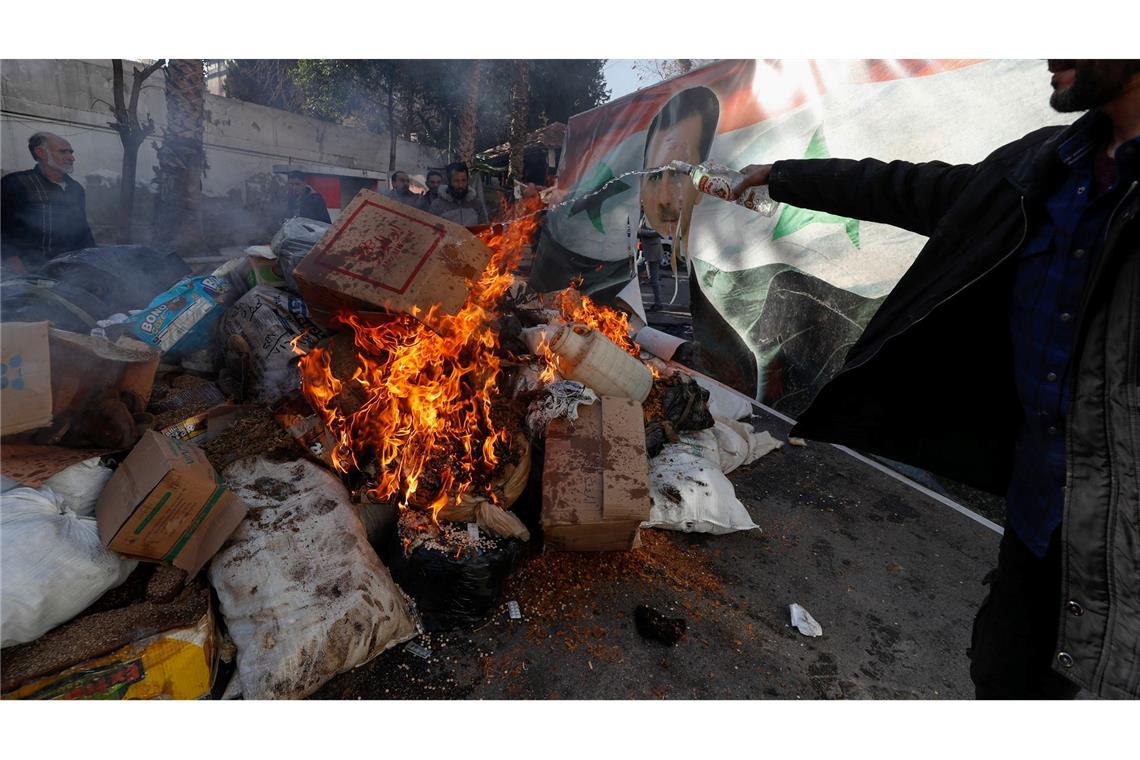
{"x":304,"y":201}
{"x":44,"y":211}
{"x":1006,"y":357}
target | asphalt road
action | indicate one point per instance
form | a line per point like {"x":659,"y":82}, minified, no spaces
{"x":892,"y":576}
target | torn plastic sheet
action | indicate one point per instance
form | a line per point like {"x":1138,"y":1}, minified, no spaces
{"x":804,"y":622}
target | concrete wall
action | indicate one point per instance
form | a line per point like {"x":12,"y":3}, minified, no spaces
{"x":243,"y":143}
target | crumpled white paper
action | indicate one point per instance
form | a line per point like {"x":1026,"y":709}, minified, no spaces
{"x":804,"y":622}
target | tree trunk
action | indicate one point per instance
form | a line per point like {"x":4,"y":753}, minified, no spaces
{"x":132,"y":134}
{"x":469,"y":118}
{"x":520,"y":107}
{"x":391,"y":125}
{"x":182,"y":157}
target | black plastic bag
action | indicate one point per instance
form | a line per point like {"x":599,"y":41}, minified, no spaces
{"x":454,"y":592}
{"x":34,"y":298}
{"x":123,"y":277}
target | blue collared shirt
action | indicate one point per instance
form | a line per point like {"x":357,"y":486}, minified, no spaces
{"x":1052,"y":271}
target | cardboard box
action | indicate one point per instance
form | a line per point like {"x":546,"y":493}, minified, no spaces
{"x":84,"y":364}
{"x":176,"y":664}
{"x":595,"y":486}
{"x":25,"y":377}
{"x":166,"y":503}
{"x":382,"y":255}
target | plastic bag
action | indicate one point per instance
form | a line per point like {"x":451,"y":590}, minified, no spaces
{"x":268,"y":321}
{"x":296,"y":238}
{"x":303,"y":594}
{"x":182,"y":320}
{"x":123,"y":277}
{"x":78,"y":487}
{"x":561,"y":399}
{"x":454,"y":591}
{"x":53,"y":564}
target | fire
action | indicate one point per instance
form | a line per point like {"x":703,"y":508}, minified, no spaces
{"x":426,"y":428}
{"x":578,"y":308}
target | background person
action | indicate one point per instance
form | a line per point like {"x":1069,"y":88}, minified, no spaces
{"x":43,"y":210}
{"x":304,"y":201}
{"x":457,"y":202}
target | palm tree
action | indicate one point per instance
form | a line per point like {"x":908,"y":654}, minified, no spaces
{"x":182,"y":157}
{"x":520,"y":108}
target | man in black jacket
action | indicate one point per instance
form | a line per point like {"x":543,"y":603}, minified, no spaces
{"x":1030,"y":282}
{"x":44,"y":211}
{"x":304,"y":201}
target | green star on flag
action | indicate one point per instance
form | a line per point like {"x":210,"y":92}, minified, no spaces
{"x":793,"y":219}
{"x":592,"y":200}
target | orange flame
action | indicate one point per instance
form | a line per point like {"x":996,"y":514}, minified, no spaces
{"x":578,"y":308}
{"x":426,"y":423}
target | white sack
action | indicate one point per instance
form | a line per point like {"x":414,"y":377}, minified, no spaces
{"x":52,"y":564}
{"x":688,"y":488}
{"x":303,"y":594}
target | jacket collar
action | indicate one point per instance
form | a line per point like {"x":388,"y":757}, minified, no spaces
{"x":67,"y":180}
{"x":1034,"y":173}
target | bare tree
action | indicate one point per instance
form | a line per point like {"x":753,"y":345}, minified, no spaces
{"x":132,"y":133}
{"x":654,"y":70}
{"x":182,"y":156}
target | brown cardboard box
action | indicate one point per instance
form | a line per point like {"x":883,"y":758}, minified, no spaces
{"x":83,"y":364}
{"x":166,"y":503}
{"x":25,"y":380}
{"x":595,"y":486}
{"x":382,"y":255}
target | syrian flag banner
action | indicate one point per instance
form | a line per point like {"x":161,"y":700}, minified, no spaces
{"x":776,"y":301}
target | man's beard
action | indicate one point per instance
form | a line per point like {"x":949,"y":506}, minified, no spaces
{"x":457,"y":194}
{"x":59,"y":167}
{"x":1095,"y":83}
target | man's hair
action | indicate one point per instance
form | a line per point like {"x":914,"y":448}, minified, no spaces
{"x":434,"y":173}
{"x":458,"y":166}
{"x":695,"y":100}
{"x":297,"y":174}
{"x":35,"y":141}
{"x":396,"y":174}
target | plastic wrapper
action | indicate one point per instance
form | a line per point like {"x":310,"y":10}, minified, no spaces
{"x":296,"y":238}
{"x":454,"y":586}
{"x":271,"y":326}
{"x":122,"y":277}
{"x":560,"y":399}
{"x":183,"y":319}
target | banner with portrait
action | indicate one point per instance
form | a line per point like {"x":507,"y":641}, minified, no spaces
{"x":776,"y":301}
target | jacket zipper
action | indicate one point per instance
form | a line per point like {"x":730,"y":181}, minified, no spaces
{"x":1098,"y":670}
{"x":996,"y":264}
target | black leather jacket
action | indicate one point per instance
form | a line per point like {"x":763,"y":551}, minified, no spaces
{"x":930,"y":380}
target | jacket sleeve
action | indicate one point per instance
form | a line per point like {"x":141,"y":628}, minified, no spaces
{"x":902,"y":194}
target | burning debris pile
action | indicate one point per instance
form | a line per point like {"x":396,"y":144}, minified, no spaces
{"x":398,"y":399}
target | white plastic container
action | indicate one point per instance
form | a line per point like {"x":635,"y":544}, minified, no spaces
{"x":596,"y":361}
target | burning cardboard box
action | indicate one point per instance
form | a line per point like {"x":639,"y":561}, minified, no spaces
{"x":382,"y":255}
{"x":595,"y":486}
{"x":166,"y":503}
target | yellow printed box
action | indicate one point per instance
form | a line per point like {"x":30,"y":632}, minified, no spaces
{"x":176,"y":664}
